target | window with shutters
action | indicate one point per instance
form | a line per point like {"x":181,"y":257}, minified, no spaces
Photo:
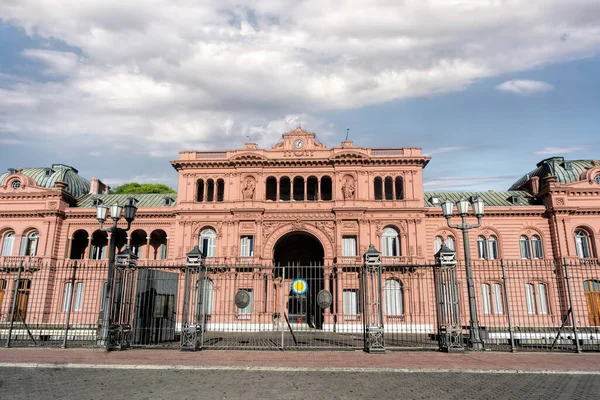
{"x":350,"y":301}
{"x":390,"y":242}
{"x":208,"y":242}
{"x":247,"y":246}
{"x":29,"y":244}
{"x":536,"y":298}
{"x":393,"y":297}
{"x":8,"y":242}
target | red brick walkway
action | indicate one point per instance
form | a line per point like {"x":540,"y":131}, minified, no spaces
{"x":321,"y":359}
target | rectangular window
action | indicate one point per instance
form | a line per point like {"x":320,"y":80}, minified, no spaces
{"x":78,"y":296}
{"x":7,"y":246}
{"x":482,"y":248}
{"x":485,"y":298}
{"x":498,"y":300}
{"x":542,"y":299}
{"x":248,"y":308}
{"x":525,"y":248}
{"x":349,"y":246}
{"x":493,"y":244}
{"x":350,"y":301}
{"x":102,"y":296}
{"x":247,"y":246}
{"x":67,"y":296}
{"x":530,"y":298}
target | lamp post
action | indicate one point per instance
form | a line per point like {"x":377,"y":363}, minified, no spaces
{"x":115,"y":215}
{"x":462,"y":207}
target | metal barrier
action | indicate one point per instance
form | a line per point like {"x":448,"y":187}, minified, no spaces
{"x":522,"y":305}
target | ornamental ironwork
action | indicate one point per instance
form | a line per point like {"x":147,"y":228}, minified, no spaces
{"x":324,"y":298}
{"x":242,"y":298}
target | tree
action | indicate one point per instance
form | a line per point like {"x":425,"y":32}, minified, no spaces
{"x":143,"y":188}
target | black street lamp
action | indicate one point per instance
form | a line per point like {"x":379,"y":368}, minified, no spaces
{"x":462,"y":207}
{"x":192,"y":332}
{"x":115,"y":215}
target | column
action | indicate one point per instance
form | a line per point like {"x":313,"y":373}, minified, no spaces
{"x":278,"y":188}
{"x":147,"y":247}
{"x":89,"y":247}
{"x":393,"y":188}
{"x":167,"y":248}
{"x":318,"y":188}
{"x":70,"y":244}
{"x":305,"y":187}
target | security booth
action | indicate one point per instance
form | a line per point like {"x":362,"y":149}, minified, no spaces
{"x":371,"y":282}
{"x":450,"y":336}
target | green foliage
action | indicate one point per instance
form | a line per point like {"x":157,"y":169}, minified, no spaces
{"x":142,"y":188}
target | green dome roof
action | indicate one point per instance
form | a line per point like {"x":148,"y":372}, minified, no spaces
{"x":47,"y":178}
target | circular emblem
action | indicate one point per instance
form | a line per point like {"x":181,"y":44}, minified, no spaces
{"x":298,"y":143}
{"x":324,"y":298}
{"x":16,"y":184}
{"x":299,"y":286}
{"x":242,"y":298}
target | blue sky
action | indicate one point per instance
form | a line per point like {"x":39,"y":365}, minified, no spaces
{"x":117,"y":93}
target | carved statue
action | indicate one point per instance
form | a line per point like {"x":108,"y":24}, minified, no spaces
{"x":348,"y":189}
{"x":248,"y":190}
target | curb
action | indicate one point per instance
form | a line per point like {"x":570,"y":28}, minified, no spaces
{"x":292,"y":369}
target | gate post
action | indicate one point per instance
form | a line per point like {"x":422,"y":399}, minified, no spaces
{"x":450,"y":337}
{"x":373,"y":327}
{"x":192,"y":331}
{"x":119,"y":330}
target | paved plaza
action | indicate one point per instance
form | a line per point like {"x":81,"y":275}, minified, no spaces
{"x":40,"y":383}
{"x":34,"y":373}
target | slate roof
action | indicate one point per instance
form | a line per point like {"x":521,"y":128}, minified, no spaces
{"x":144,"y":200}
{"x":77,"y":185}
{"x":556,"y":166}
{"x":500,"y":199}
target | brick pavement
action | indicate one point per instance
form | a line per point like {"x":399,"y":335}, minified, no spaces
{"x":487,"y":361}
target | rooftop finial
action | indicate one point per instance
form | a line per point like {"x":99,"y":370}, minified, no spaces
{"x":347,"y":131}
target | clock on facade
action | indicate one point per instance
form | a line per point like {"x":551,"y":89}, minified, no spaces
{"x":16,"y":184}
{"x":298,"y":143}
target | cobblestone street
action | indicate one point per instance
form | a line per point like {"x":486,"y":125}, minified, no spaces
{"x":40,"y":383}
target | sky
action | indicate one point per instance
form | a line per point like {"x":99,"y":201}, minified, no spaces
{"x":116,"y":89}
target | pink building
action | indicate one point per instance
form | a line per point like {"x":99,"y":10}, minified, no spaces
{"x":256,"y":213}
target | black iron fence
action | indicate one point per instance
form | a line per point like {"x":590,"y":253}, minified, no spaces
{"x":521,"y":305}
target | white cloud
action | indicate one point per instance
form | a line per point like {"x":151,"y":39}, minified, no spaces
{"x":158,"y":76}
{"x":524,"y":87}
{"x":439,"y":150}
{"x":556,"y":151}
{"x":460,"y":182}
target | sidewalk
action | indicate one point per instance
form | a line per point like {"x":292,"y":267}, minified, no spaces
{"x":225,"y":359}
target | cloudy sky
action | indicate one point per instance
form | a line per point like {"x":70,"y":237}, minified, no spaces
{"x":116,"y":89}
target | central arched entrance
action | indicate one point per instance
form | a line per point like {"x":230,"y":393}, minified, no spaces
{"x":300,"y":256}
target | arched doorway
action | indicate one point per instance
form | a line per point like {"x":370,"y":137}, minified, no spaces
{"x":299,"y":256}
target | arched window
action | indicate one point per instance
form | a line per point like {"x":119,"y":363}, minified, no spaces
{"x":389,"y":188}
{"x":220,"y":190}
{"x":491,"y":298}
{"x":450,"y":242}
{"x":8,"y":243}
{"x":525,"y":247}
{"x":99,"y":244}
{"x":399,"y":188}
{"x":210,"y":190}
{"x":390,"y":243}
{"x":312,"y":188}
{"x":271,"y":188}
{"x":378,"y":188}
{"x":326,"y":188}
{"x":79,"y":244}
{"x":536,"y":297}
{"x":536,"y":246}
{"x":200,"y":190}
{"x":437,"y":244}
{"x":298,"y":188}
{"x":487,"y":248}
{"x":158,"y":245}
{"x":206,"y":302}
{"x":394,"y":304}
{"x":29,"y":244}
{"x":284,"y":189}
{"x":208,"y":242}
{"x":138,"y":241}
{"x":482,"y":250}
{"x":582,"y":244}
